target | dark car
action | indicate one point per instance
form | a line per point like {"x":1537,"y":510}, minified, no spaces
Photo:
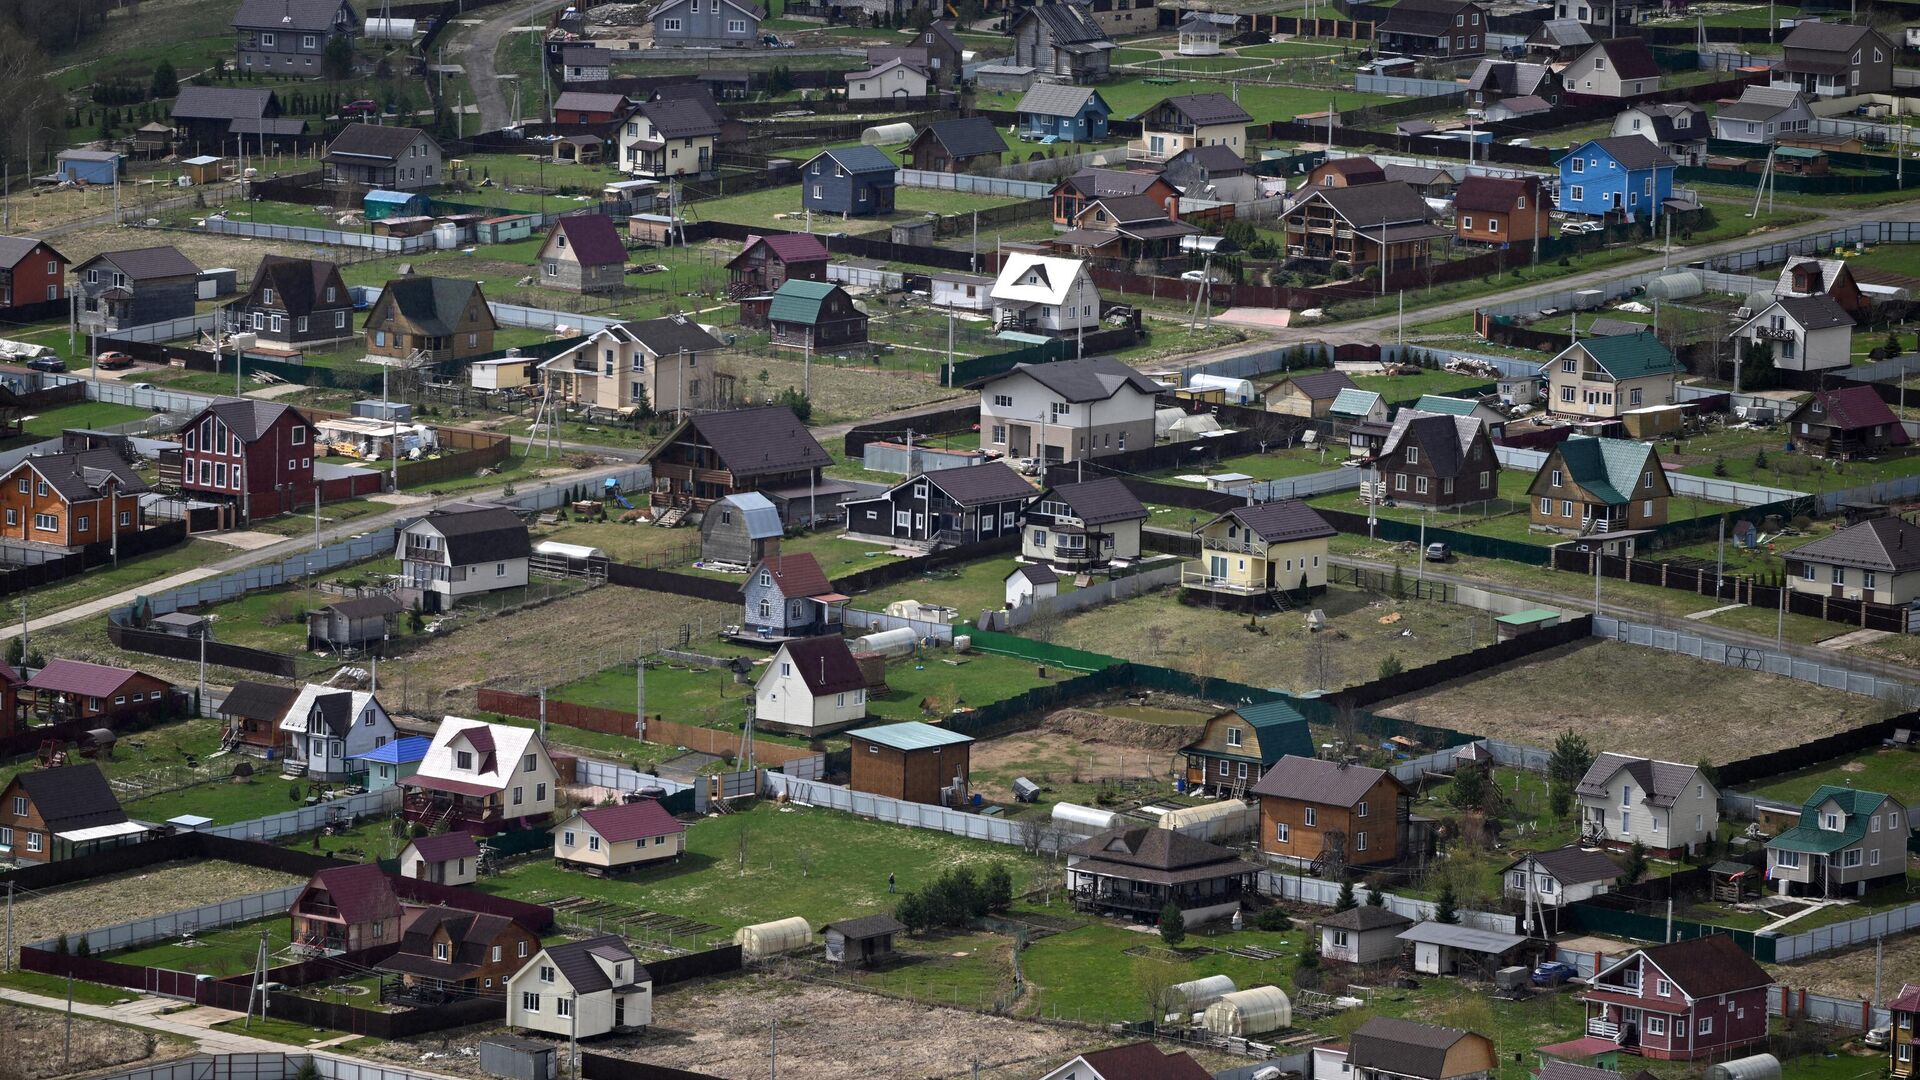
{"x":363,"y":106}
{"x":1553,"y":973}
{"x":47,"y":363}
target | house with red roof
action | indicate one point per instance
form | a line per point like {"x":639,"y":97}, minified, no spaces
{"x":1704,"y":997}
{"x":583,"y":254}
{"x":768,"y":262}
{"x":1134,"y":1061}
{"x":1846,"y":423}
{"x":789,"y":596}
{"x":609,"y":839}
{"x":346,"y":909}
{"x":449,"y":858}
{"x":481,"y":778}
{"x":1905,"y":1008}
{"x":76,"y":690}
{"x":811,"y":687}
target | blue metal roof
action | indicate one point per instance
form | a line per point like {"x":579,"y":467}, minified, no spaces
{"x":402,"y":751}
{"x":398,"y":198}
{"x":911,"y":735}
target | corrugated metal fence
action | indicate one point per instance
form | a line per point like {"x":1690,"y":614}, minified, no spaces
{"x":1701,"y":647}
{"x":392,"y":245}
{"x":174,"y":923}
{"x":308,"y":819}
{"x":1400,"y":86}
{"x":978,"y":185}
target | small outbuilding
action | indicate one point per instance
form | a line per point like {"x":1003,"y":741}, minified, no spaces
{"x":353,"y":624}
{"x":913,"y":762}
{"x":761,"y":940}
{"x":1030,"y":584}
{"x":449,"y":858}
{"x":89,"y":166}
{"x":1362,"y":935}
{"x":510,"y":1057}
{"x":1252,"y":1011}
{"x":742,"y":530}
{"x":610,"y":839}
{"x":865,"y":941}
{"x":385,"y":205}
{"x":1450,"y":949}
{"x":393,"y":761}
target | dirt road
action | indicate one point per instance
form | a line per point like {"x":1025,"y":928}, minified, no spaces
{"x":474,"y":50}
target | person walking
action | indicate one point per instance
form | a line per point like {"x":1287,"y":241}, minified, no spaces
{"x":889,"y":882}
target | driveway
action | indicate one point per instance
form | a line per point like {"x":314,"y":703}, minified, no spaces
{"x":474,"y":50}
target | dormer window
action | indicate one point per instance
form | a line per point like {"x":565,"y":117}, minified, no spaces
{"x":463,"y":759}
{"x":1830,"y":822}
{"x":766,"y":580}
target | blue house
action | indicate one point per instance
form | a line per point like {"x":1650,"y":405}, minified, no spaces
{"x":389,"y":763}
{"x":381,"y":205}
{"x":1064,"y":113}
{"x":1625,"y":174}
{"x":856,"y":180}
{"x":89,"y":166}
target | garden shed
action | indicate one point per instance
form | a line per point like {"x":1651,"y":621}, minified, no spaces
{"x":865,"y":941}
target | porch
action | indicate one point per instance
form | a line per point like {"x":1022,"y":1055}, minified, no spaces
{"x":457,"y":812}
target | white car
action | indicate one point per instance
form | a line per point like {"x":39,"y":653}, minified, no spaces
{"x":1574,"y":228}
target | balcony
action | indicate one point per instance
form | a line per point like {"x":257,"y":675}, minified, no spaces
{"x":1210,"y":545}
{"x":1200,"y":579}
{"x":1142,"y":150}
{"x":422,"y":553}
{"x":1774,"y":333}
{"x":1603,"y":1029}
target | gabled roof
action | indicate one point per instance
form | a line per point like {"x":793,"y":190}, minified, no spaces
{"x":1418,"y":175}
{"x":1608,"y":469}
{"x":72,"y":797}
{"x":1856,"y":808}
{"x":911,"y":735}
{"x":1633,"y":152}
{"x":915,"y":57}
{"x":593,"y":239}
{"x":445,"y":846}
{"x":754,"y":442}
{"x":1663,"y":781}
{"x":1524,"y":105}
{"x":1630,"y":57}
{"x":85,"y":475}
{"x":587,"y":101}
{"x":1060,"y":99}
{"x":1665,"y":127}
{"x":376,"y":142}
{"x":1093,"y":378}
{"x":80,"y":678}
{"x":1887,"y":545}
{"x":1828,"y":271}
{"x":1370,"y":206}
{"x":1129,"y":208}
{"x":1443,"y":439}
{"x":147,"y":263}
{"x":1035,"y":279}
{"x":1627,"y":356}
{"x":1571,"y":865}
{"x":1827,"y":37}
{"x":795,"y":574}
{"x":477,"y":534}
{"x":1761,"y":103}
{"x":361,"y":892}
{"x":1204,"y":20}
{"x":258,"y":700}
{"x":1510,"y":78}
{"x":1703,"y":967}
{"x":1421,"y":18}
{"x":1281,"y":728}
{"x":680,"y":117}
{"x":1142,"y":1061}
{"x":1067,"y":23}
{"x":977,"y":485}
{"x":1213,"y":159}
{"x":799,"y":301}
{"x":966,"y":137}
{"x":1403,"y":1046}
{"x":247,"y":418}
{"x":1327,"y":783}
{"x":825,"y":664}
{"x":435,"y":304}
{"x":789,"y":248}
{"x":1320,"y":385}
{"x":301,"y":284}
{"x":1493,"y":194}
{"x":1850,"y":408}
{"x":291,"y":16}
{"x":1281,"y":522}
{"x":1907,"y":1000}
{"x":15,"y":248}
{"x":1037,"y":573}
{"x":885,"y":66}
{"x":1816,"y":312}
{"x":367,"y":607}
{"x":224,"y":103}
{"x":498,"y":750}
{"x":1099,"y":502}
{"x":576,"y":960}
{"x":1203,"y":110}
{"x":1098,"y":182}
{"x":631,"y":821}
{"x":1560,"y":33}
{"x":1366,"y":917}
{"x":858,"y":159}
{"x":1354,"y":402}
{"x":757,"y":513}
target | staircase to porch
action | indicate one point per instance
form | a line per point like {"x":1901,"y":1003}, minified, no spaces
{"x":673,"y":516}
{"x":293,"y":770}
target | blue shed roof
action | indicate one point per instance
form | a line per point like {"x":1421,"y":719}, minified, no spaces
{"x":397,"y":198}
{"x":402,"y":751}
{"x":911,"y":735}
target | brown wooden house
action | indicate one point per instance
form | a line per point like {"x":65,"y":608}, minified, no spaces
{"x":51,"y":814}
{"x":436,"y":318}
{"x":768,"y":262}
{"x":912,"y":761}
{"x":1492,"y":210}
{"x":346,"y":909}
{"x":1344,"y":173}
{"x":714,"y":455}
{"x":1326,"y":814}
{"x":1846,"y":422}
{"x":1437,"y":460}
{"x":1070,"y":196}
{"x":253,"y":711}
{"x":1805,"y":275}
{"x":1589,"y":485}
{"x":71,"y":499}
{"x":75,"y":690}
{"x":956,"y":146}
{"x":446,"y":950}
{"x":811,"y":316}
{"x":1238,"y":746}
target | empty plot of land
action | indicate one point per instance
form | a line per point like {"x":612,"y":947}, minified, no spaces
{"x":1074,"y":753}
{"x":1637,"y":700}
{"x":32,"y":1049}
{"x":1849,"y":973}
{"x":138,"y":894}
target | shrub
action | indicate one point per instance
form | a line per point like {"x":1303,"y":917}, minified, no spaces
{"x":998,"y":887}
{"x":1173,"y":925}
{"x":1272,"y":919}
{"x":1391,"y":666}
{"x":1720,"y":466}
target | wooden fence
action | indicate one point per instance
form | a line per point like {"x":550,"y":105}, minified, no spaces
{"x":616,"y":722}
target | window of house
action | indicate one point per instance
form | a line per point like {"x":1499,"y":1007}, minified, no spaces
{"x":1850,"y":858}
{"x":439,"y":950}
{"x":33,"y":841}
{"x":1312,"y":817}
{"x":463,"y":759}
{"x":1656,"y":1025}
{"x":19,"y":806}
{"x":1420,"y":485}
{"x":529,"y":1002}
{"x":1788,"y":859}
{"x":1466,"y":222}
{"x":1706,"y":1025}
{"x":1577,"y":193}
{"x":1340,"y":939}
{"x":1839,"y":575}
{"x":46,"y":522}
{"x":1360,"y":841}
{"x":593,"y":843}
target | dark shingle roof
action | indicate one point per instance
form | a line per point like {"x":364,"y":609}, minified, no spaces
{"x":680,"y":118}
{"x":1058,"y":99}
{"x":224,"y":103}
{"x":447,"y":845}
{"x":671,"y":334}
{"x":335,"y":712}
{"x":291,"y":15}
{"x":249,"y":418}
{"x":1067,"y":23}
{"x":1665,"y":122}
{"x":81,"y":678}
{"x":754,"y":442}
{"x":826,"y":665}
{"x":631,"y":821}
{"x":1709,"y":966}
{"x":1150,"y":849}
{"x":1312,"y":780}
{"x":1850,"y":408}
{"x":1631,"y":58}
{"x":1207,"y":109}
{"x":586,"y":56}
{"x":1816,"y":312}
{"x":1631,"y":151}
{"x":585,"y":975}
{"x":593,"y":239}
{"x":866,"y":926}
{"x":789,"y":248}
{"x":300,"y":285}
{"x":1492,"y":193}
{"x":587,"y":101}
{"x":860,"y":159}
{"x":1102,"y":501}
{"x":1443,"y":439}
{"x":258,"y":700}
{"x":969,"y":136}
{"x":1038,"y":573}
{"x":1369,"y":206}
{"x":1093,"y":378}
{"x":1572,"y":865}
{"x":1366,"y":917}
{"x":979,"y":485}
{"x":434,"y":304}
{"x":1889,"y":545}
{"x":148,"y":263}
{"x":796,"y":574}
{"x":1826,"y":36}
{"x":1322,"y":385}
{"x":1281,"y":522}
{"x":1214,"y":159}
{"x":1421,"y":18}
{"x":375,"y":141}
{"x":477,"y":534}
{"x":1143,"y":1061}
{"x":83,"y":474}
{"x":1100,"y":182}
{"x":15,"y":248}
{"x":366,"y":607}
{"x":1403,"y":1047}
{"x":72,"y":797}
{"x":1663,"y":781}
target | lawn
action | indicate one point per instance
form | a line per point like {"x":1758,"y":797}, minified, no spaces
{"x":333,"y":513}
{"x":969,"y":589}
{"x":228,"y":950}
{"x":84,"y":414}
{"x":1516,"y":1027}
{"x":1505,"y":517}
{"x":226,"y":801}
{"x":1134,"y":95}
{"x":1474,"y":869}
{"x":1408,"y":388}
{"x":1761,"y":457}
{"x":926,"y":687}
{"x":782,"y":204}
{"x":1273,"y":465}
{"x":773,"y":862}
{"x":280,"y":1031}
{"x":1893,"y":258}
{"x":1891,"y":772}
{"x":54,"y":986}
{"x":139,"y":572}
{"x":1086,"y":975}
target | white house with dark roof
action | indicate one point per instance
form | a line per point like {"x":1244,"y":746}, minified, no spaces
{"x":1066,"y":410}
{"x":608,"y":839}
{"x":1559,"y":877}
{"x":481,"y":777}
{"x":581,"y":989}
{"x":1620,"y":67}
{"x":325,"y":728}
{"x":1255,"y":551}
{"x":664,"y":364}
{"x":1877,"y":560}
{"x":449,"y":858}
{"x":1805,"y":333}
{"x":1680,"y":129}
{"x":463,"y":549}
{"x":1762,"y":115}
{"x":1362,"y":935}
{"x":812,"y":686}
{"x":669,"y":136}
{"x":1173,"y":124}
{"x":1670,"y":808}
{"x":1030,"y":583}
{"x":1083,"y":526}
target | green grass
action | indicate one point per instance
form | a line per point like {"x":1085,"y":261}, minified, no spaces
{"x":1200,"y":65}
{"x":146,"y":751}
{"x":281,"y":1031}
{"x":1738,"y":455}
{"x":970,"y":589}
{"x":229,"y":950}
{"x":1891,"y":772}
{"x":1272,"y":465}
{"x":817,"y":864}
{"x":947,"y":681}
{"x":225,"y":801}
{"x":1287,"y":50}
{"x":1133,"y":95}
{"x":53,"y":986}
{"x":910,"y":204}
{"x":1407,"y":388}
{"x":1893,"y":258}
{"x":299,"y":525}
{"x":1516,"y":1027}
{"x":1086,"y":975}
{"x":1505,"y":517}
{"x":85,"y":414}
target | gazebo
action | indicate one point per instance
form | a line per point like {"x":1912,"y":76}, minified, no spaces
{"x":1201,"y":32}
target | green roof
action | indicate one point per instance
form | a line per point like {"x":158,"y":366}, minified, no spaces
{"x":1282,"y":730}
{"x":1797,"y":152}
{"x":1351,"y":402}
{"x":799,"y":301}
{"x":1607,"y":468}
{"x":1452,"y":406}
{"x":1630,"y":356}
{"x":1528,"y":617}
{"x":1856,"y":806}
{"x":911,"y":735}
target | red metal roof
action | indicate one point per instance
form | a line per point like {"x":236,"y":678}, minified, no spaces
{"x":791,"y":247}
{"x":797,"y":575}
{"x":1907,"y":1000}
{"x":79,"y":677}
{"x":449,"y":845}
{"x":479,"y":736}
{"x":595,"y":241}
{"x":362,"y":892}
{"x":457,"y":787}
{"x":631,"y":821}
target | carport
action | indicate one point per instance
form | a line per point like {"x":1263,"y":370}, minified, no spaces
{"x":1447,"y":949}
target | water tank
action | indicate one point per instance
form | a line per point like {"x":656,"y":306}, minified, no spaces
{"x":446,"y":236}
{"x":762,"y":940}
{"x":1757,"y":1067}
{"x":1076,"y":816}
{"x":887,"y":134}
{"x":1246,"y":1013}
{"x":898,"y":642}
{"x":1227,"y":819}
{"x":1679,"y":285}
{"x":1200,"y":993}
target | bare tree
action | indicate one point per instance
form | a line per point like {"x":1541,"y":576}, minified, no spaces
{"x":1156,"y":635}
{"x":1333,"y":854}
{"x":741,"y":847}
{"x":1155,"y":981}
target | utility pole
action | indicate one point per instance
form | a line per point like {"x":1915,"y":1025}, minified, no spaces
{"x":573,"y":1032}
{"x":773,"y":1051}
{"x":203,"y":668}
{"x":23,"y":631}
{"x":9,"y":926}
{"x":640,"y":698}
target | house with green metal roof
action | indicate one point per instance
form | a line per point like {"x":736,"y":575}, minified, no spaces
{"x":1476,"y":407}
{"x":1239,"y":745}
{"x":1847,"y":841}
{"x":1591,"y":486}
{"x":809,"y":315}
{"x":1602,"y":377}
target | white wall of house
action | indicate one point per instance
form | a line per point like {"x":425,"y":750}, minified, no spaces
{"x":1693,"y":819}
{"x":782,"y":697}
{"x":546,"y":1009}
{"x":575,"y":841}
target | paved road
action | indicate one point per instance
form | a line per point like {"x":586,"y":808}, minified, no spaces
{"x":474,"y":50}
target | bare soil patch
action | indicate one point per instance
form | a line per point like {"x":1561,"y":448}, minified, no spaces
{"x":205,"y":249}
{"x":138,"y":894}
{"x":1849,"y":973}
{"x":840,"y":392}
{"x":1074,"y":746}
{"x":33,"y":1046}
{"x":1637,"y":700}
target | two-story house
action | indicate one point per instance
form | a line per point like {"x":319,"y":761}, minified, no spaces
{"x":324,"y":728}
{"x":71,"y":499}
{"x":1127,"y":226}
{"x":119,"y":289}
{"x":1060,"y":41}
{"x":768,"y":262}
{"x":295,"y":303}
{"x":1067,"y":410}
{"x":62,"y":812}
{"x":1437,"y":460}
{"x":1680,"y":130}
{"x":812,"y":686}
{"x":481,"y":778}
{"x":1135,"y":873}
{"x":1905,"y":1008}
{"x":663,"y":365}
{"x":1700,"y":998}
{"x":1669,"y":808}
{"x":1389,"y":1048}
{"x":808,"y":316}
{"x":463,"y":549}
{"x":1064,"y":113}
{"x":789,"y":596}
{"x":1602,"y":377}
{"x":1497,"y":80}
{"x":289,"y":37}
{"x":445,"y":951}
{"x":1437,"y":28}
{"x":1591,"y":485}
{"x":765,"y":449}
{"x":740,"y":530}
{"x":669,"y":137}
{"x":894,"y":81}
{"x":31,"y":272}
{"x":1500,"y":210}
{"x":1848,"y":840}
{"x":1250,"y":553}
{"x":1214,"y":173}
{"x":1071,"y":195}
{"x":1620,"y":174}
{"x":256,"y":455}
{"x":1134,"y":1061}
{"x":389,"y":158}
{"x":1362,"y":226}
{"x":1344,"y":172}
{"x":691,"y":23}
{"x":581,"y":989}
{"x":230,"y":119}
{"x":1188,"y":120}
{"x":944,"y":507}
{"x":1621,"y":67}
{"x":1845,"y":423}
{"x":583,"y":254}
{"x":1808,"y":275}
{"x":1876,"y":560}
{"x":345,"y":909}
{"x":851,"y":181}
{"x":1046,"y":295}
{"x":1083,"y":526}
{"x":1762,"y":115}
{"x":1835,"y":59}
{"x":605,"y":840}
{"x":430,"y":319}
{"x":1329,"y":816}
{"x":1799,"y":333}
{"x":584,"y":108}
{"x":958,"y":145}
{"x":1237,"y":747}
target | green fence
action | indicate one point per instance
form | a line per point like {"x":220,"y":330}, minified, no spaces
{"x":1609,"y":922}
{"x":505,"y":845}
{"x":962,"y":372}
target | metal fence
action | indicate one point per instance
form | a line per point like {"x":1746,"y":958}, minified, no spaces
{"x":1850,"y":1013}
{"x":1899,"y":367}
{"x":1867,"y":232}
{"x":1299,"y":487}
{"x":1322,"y":892}
{"x":1102,"y":593}
{"x":265,"y":1067}
{"x":606,"y":774}
{"x":870,"y":622}
{"x":270,"y":575}
{"x":916,"y":815}
{"x":870,"y":277}
{"x":308,"y":819}
{"x":391,"y":245}
{"x":1905,"y":487}
{"x":1700,"y":647}
{"x":174,"y":923}
{"x":895,"y":458}
{"x":1847,"y":934}
{"x":547,"y":319}
{"x":1700,"y":487}
{"x":1400,"y":86}
{"x":978,"y":185}
{"x":169,"y":330}
{"x":119,"y":393}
